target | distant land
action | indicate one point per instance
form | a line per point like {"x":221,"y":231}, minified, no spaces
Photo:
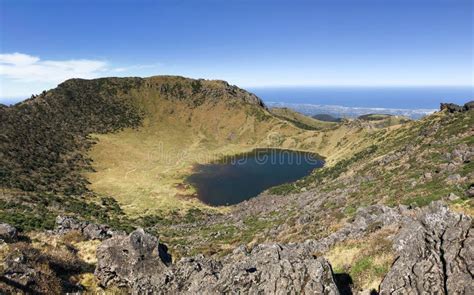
{"x":326,"y":118}
{"x":10,"y":101}
{"x":351,"y":102}
{"x":348,"y":112}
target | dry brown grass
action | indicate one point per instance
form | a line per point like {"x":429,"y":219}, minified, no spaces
{"x":59,"y":258}
{"x":366,"y":260}
{"x":72,"y":237}
{"x":464,"y":207}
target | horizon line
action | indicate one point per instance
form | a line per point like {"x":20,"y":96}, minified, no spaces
{"x":26,"y":96}
{"x":353,"y":85}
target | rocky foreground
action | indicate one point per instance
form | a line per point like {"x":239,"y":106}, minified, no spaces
{"x":434,"y":255}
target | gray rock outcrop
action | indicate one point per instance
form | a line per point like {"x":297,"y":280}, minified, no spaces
{"x":8,"y":233}
{"x":454,"y":108}
{"x":135,"y":261}
{"x":435,"y":255}
{"x":469,"y":105}
{"x":275,"y":269}
{"x":92,"y":231}
{"x":451,"y":107}
{"x":18,"y":270}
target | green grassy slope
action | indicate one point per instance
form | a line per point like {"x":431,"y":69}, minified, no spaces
{"x":407,"y":165}
{"x":300,"y":120}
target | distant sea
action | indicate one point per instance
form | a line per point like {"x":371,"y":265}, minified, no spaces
{"x":414,"y":102}
{"x":10,"y":101}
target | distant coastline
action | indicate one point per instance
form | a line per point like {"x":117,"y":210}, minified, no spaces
{"x":10,"y":101}
{"x":349,"y":112}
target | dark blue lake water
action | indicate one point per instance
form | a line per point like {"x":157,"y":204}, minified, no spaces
{"x":238,"y":178}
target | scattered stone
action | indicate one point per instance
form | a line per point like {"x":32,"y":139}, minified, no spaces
{"x":367,"y":219}
{"x":447,"y":167}
{"x":91,"y":231}
{"x":8,"y":233}
{"x":428,"y":176}
{"x":452,"y":197}
{"x":470,"y":191}
{"x":454,"y":178}
{"x":461,"y":154}
{"x":435,"y":255}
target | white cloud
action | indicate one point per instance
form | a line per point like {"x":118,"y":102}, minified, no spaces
{"x":27,"y":68}
{"x":17,"y":59}
{"x":22,"y":75}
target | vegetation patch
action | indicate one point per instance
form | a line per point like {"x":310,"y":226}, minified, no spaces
{"x":366,"y":261}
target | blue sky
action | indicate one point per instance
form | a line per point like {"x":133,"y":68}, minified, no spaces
{"x":248,"y":43}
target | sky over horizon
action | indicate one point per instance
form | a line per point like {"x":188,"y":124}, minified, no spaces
{"x":248,"y":43}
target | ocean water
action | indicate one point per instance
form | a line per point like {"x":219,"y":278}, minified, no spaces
{"x":413,"y":102}
{"x":368,"y":97}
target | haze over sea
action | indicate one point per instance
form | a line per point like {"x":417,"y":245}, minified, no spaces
{"x":354,"y":101}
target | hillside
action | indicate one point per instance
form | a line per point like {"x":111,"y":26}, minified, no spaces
{"x":326,"y":118}
{"x":111,"y":154}
{"x":384,"y":120}
{"x":300,"y":120}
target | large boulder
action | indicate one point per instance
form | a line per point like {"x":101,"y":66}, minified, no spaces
{"x":265,"y":269}
{"x":435,"y":255}
{"x":8,"y":233}
{"x":138,"y":262}
{"x":275,"y":269}
{"x":135,"y":261}
{"x":193,"y":275}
